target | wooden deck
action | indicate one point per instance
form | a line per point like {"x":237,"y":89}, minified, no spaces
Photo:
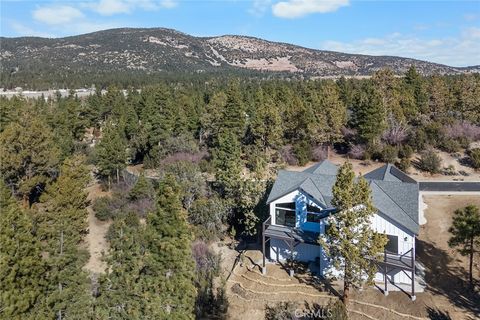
{"x":291,"y":234}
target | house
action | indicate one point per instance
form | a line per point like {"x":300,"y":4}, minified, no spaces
{"x":300,"y":203}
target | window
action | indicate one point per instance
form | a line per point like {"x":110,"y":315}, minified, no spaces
{"x":313,"y":217}
{"x":313,"y":214}
{"x":285,"y":214}
{"x":313,"y":209}
{"x":392,"y":244}
{"x":288,"y":205}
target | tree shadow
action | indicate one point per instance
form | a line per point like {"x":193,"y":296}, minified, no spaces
{"x":444,"y":278}
{"x":435,"y":314}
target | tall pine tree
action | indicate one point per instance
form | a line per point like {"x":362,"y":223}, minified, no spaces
{"x":349,"y":241}
{"x":22,"y":269}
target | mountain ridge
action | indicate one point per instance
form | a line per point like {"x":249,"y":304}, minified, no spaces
{"x":157,"y":50}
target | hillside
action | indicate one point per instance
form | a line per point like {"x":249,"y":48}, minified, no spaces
{"x":157,"y":51}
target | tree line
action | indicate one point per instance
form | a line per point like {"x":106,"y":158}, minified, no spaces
{"x":215,"y":145}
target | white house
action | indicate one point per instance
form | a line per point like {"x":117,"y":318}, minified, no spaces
{"x":300,"y":202}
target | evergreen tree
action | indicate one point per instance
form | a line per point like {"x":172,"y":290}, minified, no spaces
{"x":111,"y":152}
{"x":416,"y":85}
{"x":387,"y":86}
{"x":368,"y":113}
{"x":142,"y":189}
{"x":234,"y":116}
{"x":227,"y":162}
{"x":22,"y":269}
{"x":62,"y":225}
{"x":266,"y":124}
{"x":440,"y":99}
{"x":28,"y":155}
{"x":465,"y":232}
{"x":335,"y":113}
{"x":169,"y":289}
{"x":121,"y":292}
{"x":349,"y":241}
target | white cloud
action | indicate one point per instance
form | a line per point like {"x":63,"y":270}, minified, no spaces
{"x":56,"y":15}
{"x":112,"y":7}
{"x":299,"y":8}
{"x":23,"y":30}
{"x":462,"y":50}
{"x":259,"y":7}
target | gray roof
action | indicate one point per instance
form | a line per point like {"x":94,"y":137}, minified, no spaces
{"x":323,"y":167}
{"x":389,"y":172}
{"x":394,"y":194}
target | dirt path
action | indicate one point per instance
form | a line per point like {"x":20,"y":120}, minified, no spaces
{"x":96,"y":242}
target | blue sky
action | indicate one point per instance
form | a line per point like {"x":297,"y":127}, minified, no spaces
{"x":440,"y":31}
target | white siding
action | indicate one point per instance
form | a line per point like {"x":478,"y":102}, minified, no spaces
{"x":279,"y":250}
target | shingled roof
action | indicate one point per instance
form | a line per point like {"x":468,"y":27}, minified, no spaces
{"x":394,"y":194}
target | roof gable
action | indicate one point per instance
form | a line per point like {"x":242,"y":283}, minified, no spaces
{"x":389,"y":172}
{"x":324,"y":167}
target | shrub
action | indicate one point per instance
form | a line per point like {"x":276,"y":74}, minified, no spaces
{"x":281,"y":311}
{"x":450,"y":145}
{"x":462,"y":130}
{"x":357,"y":152}
{"x":303,"y":152}
{"x":319,"y":153}
{"x":288,"y":155}
{"x":405,"y":152}
{"x":336,"y":310}
{"x":389,"y":154}
{"x":418,"y":140}
{"x":434,"y":132}
{"x":101,"y":207}
{"x":209,"y":216}
{"x":404,"y":164}
{"x":374,"y":152}
{"x":474,"y":155}
{"x":430,"y":162}
{"x":395,"y":135}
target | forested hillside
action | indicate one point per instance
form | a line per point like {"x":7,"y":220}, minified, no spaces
{"x":131,"y":56}
{"x":215,"y":146}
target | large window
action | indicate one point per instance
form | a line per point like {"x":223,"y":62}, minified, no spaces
{"x":392,"y":244}
{"x":313,"y":214}
{"x":285,"y":214}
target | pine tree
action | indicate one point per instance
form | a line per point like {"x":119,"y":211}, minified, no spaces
{"x":388,"y":87}
{"x":234,"y":116}
{"x":266,"y":124}
{"x":142,"y":189}
{"x":62,"y":225}
{"x":121,"y":292}
{"x":416,"y":85}
{"x":335,"y":114}
{"x":227,"y":162}
{"x":168,"y":284}
{"x":368,"y":113}
{"x":111,"y":152}
{"x":22,"y":269}
{"x":349,"y":241}
{"x":465,"y":232}
{"x":28,"y":155}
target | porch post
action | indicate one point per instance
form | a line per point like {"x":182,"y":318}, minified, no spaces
{"x":385,"y":278}
{"x":413,"y":270}
{"x":291,"y":258}
{"x":264,"y":268}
